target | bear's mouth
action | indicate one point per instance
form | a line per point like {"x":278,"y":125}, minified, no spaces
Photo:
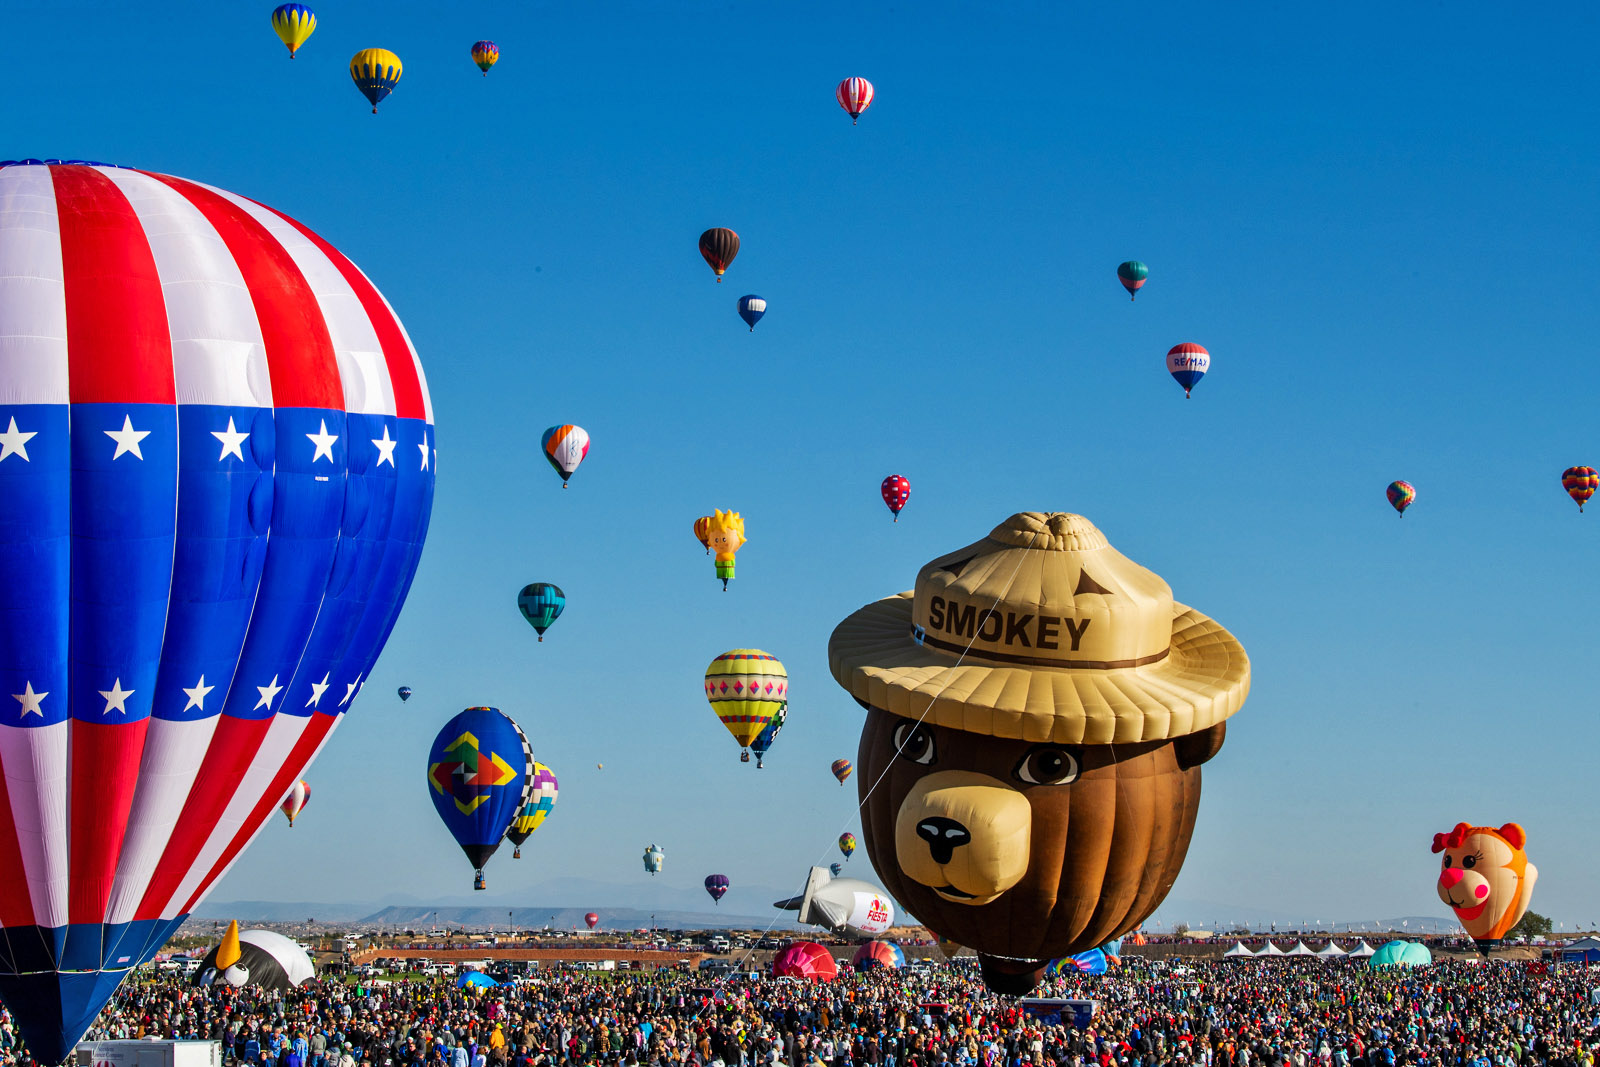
{"x":952,"y":891}
{"x":1464,"y":913}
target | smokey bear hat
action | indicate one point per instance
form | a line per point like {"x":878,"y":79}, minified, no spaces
{"x":1042,"y":632}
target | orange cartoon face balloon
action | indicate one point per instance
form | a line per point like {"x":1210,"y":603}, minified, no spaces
{"x":1486,"y":877}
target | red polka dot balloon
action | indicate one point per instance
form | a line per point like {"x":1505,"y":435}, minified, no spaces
{"x":896,"y":490}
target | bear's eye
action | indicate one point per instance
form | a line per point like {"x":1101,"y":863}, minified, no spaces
{"x":914,"y":743}
{"x":1469,"y":862}
{"x":1048,"y":765}
{"x":1447,"y":862}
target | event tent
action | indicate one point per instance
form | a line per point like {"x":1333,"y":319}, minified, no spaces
{"x":1330,"y":951}
{"x":1583,"y":950}
{"x":1300,"y":949}
{"x":1238,"y":952}
{"x":1362,"y":949}
{"x":1272,"y":950}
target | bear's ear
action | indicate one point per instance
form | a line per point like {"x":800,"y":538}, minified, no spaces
{"x":1514,"y":834}
{"x":1195,"y":749}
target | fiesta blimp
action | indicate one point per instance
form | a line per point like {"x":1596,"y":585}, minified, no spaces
{"x":848,"y":907}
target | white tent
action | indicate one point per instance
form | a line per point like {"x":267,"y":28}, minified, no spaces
{"x":1363,"y":949}
{"x":1238,"y":952}
{"x":1300,"y":949}
{"x":1330,"y":950}
{"x":1272,"y":950}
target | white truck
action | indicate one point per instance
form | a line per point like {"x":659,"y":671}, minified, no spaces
{"x":150,"y":1053}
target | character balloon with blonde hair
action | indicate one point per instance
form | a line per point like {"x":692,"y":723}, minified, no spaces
{"x":724,"y":536}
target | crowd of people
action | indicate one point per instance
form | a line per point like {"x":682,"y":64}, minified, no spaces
{"x":1150,"y":1014}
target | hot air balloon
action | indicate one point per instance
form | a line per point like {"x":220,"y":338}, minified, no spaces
{"x":855,"y":96}
{"x":294,"y":23}
{"x":295,"y":802}
{"x":565,"y":447}
{"x":1091,"y":962}
{"x":1485,"y":877}
{"x":751,"y":308}
{"x":1401,"y":495}
{"x":805,"y":959}
{"x":376,"y":71}
{"x":1580,"y":483}
{"x":717,"y":886}
{"x":719,"y":246}
{"x":895,"y":490}
{"x":196,"y":634}
{"x":847,"y":844}
{"x":702,"y":532}
{"x":261,"y":958}
{"x":591,"y":920}
{"x":835,"y":869}
{"x":725,"y":536}
{"x":841,"y":769}
{"x":538,"y":800}
{"x":653,"y":859}
{"x":878,"y":955}
{"x":405,"y":693}
{"x":768,"y":734}
{"x":541,"y":604}
{"x":746,"y":688}
{"x":485,"y":54}
{"x":475,"y":777}
{"x":1188,"y":363}
{"x":1132,"y":275}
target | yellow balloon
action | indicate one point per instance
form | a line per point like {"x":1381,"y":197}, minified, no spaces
{"x":294,"y":23}
{"x":746,"y":688}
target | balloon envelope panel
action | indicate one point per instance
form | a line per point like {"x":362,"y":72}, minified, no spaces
{"x":475,"y":774}
{"x":221,"y":438}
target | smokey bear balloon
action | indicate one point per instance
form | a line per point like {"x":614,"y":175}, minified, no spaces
{"x":1038,"y":711}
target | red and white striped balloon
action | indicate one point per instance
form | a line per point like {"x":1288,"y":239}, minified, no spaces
{"x":855,"y":96}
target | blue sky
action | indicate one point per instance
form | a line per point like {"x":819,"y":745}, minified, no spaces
{"x":1381,"y":222}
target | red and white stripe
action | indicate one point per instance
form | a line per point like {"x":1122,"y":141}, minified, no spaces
{"x":855,"y":95}
{"x":213,"y":299}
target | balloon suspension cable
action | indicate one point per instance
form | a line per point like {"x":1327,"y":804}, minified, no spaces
{"x":884,"y":773}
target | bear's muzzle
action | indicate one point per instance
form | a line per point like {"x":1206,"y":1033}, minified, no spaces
{"x":964,"y":835}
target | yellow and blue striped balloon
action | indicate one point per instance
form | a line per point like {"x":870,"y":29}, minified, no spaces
{"x":376,"y":71}
{"x":294,"y":23}
{"x":485,"y":54}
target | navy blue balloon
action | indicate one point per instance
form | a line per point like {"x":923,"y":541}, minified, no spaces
{"x":475,"y":775}
{"x":751,"y":308}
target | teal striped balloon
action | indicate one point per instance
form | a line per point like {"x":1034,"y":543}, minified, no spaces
{"x":541,"y":604}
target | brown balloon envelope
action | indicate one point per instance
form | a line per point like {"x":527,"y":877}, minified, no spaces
{"x":1045,"y":802}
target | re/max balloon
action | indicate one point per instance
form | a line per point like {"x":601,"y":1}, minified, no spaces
{"x":855,"y":96}
{"x":294,"y":24}
{"x":1132,"y":275}
{"x":1401,"y":496}
{"x":209,"y":567}
{"x":475,"y":776}
{"x":1580,"y":484}
{"x":565,"y":447}
{"x":485,"y":54}
{"x":717,"y":886}
{"x":746,"y":688}
{"x":751,"y":308}
{"x":718,"y":246}
{"x":538,"y":801}
{"x":376,"y":71}
{"x":1188,"y":363}
{"x":541,"y":604}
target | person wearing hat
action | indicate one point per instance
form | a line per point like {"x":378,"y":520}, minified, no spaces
{"x":1038,"y":710}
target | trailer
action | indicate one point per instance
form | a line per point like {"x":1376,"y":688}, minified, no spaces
{"x":149,"y":1053}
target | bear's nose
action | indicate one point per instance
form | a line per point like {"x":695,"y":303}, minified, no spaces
{"x":1450,"y":876}
{"x":943,"y":836}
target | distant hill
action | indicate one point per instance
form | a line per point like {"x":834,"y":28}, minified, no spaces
{"x":570,"y":918}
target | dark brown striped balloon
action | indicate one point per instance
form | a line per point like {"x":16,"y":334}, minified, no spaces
{"x":1034,"y":871}
{"x":719,"y":246}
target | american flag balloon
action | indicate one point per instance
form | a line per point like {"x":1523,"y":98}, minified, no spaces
{"x":855,"y":96}
{"x":216,"y":463}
